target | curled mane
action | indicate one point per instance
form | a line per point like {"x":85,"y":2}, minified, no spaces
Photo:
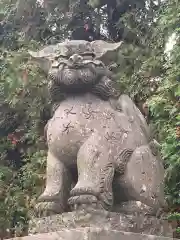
{"x":92,"y":81}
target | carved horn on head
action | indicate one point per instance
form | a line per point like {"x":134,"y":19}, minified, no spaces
{"x":41,"y":60}
{"x":106,"y":52}
{"x":33,"y":54}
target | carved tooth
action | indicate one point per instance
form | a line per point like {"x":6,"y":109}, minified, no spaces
{"x":143,"y":189}
{"x":138,"y":203}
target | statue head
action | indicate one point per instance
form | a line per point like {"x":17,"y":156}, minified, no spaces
{"x":77,"y":64}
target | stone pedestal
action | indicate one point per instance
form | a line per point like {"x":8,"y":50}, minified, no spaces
{"x":92,"y":234}
{"x":107,"y":222}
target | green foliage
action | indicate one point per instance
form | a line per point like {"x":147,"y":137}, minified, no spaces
{"x":175,"y":217}
{"x":21,"y":178}
{"x":166,"y":108}
{"x":151,"y":76}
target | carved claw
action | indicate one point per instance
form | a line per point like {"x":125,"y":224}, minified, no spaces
{"x":82,"y":191}
{"x":49,"y":205}
{"x":44,"y":209}
{"x":84,"y":202}
{"x":83,"y":199}
{"x":48,"y":198}
{"x":107,"y":200}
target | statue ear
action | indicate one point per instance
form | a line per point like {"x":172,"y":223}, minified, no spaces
{"x":43,"y":58}
{"x":106,"y":52}
{"x":33,"y":54}
{"x":40,"y":60}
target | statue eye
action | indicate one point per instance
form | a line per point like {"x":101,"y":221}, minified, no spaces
{"x":79,"y":57}
{"x":75,"y":57}
{"x":56,"y":57}
{"x":60,"y":57}
{"x":101,"y":64}
{"x":91,"y":54}
{"x":88,"y":56}
{"x":71,"y":58}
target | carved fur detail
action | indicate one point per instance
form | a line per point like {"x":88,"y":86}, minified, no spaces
{"x":123,"y":159}
{"x":106,"y":178}
{"x":80,"y":81}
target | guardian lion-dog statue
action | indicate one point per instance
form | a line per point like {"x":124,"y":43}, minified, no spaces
{"x":100,"y":150}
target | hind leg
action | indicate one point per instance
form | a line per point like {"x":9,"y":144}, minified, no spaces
{"x":54,"y":198}
{"x":95,"y":174}
{"x":143,"y":180}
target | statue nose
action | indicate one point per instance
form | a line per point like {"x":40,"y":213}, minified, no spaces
{"x":75,"y":58}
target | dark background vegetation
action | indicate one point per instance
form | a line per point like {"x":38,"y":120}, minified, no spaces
{"x":144,"y":71}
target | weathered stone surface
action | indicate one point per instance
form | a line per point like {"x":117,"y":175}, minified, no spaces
{"x":92,"y":234}
{"x":105,"y":145}
{"x":137,"y":223}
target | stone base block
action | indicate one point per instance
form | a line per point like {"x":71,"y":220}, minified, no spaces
{"x":136,"y":223}
{"x":91,"y":234}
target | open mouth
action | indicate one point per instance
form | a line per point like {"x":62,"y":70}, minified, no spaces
{"x":75,"y":65}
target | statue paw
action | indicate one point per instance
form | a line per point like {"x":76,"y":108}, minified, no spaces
{"x":44,"y":209}
{"x":90,"y":196}
{"x":77,"y":191}
{"x":84,"y":202}
{"x":83,"y":199}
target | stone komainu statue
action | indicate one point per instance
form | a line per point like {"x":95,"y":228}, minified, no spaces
{"x":100,"y":153}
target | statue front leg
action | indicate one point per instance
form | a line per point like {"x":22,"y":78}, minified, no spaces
{"x":95,"y":175}
{"x":58,"y":182}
